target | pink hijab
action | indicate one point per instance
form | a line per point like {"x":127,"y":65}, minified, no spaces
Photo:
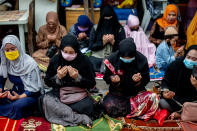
{"x":142,"y":43}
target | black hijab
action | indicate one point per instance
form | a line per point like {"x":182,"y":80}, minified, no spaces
{"x":110,"y":26}
{"x":127,"y":48}
{"x":177,"y":79}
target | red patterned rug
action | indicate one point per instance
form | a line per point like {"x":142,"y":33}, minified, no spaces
{"x":151,"y":125}
{"x":35,"y":124}
{"x":7,"y":124}
{"x":40,"y":124}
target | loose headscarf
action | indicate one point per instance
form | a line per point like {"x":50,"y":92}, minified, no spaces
{"x":22,"y":66}
{"x":53,"y":16}
{"x":83,"y":21}
{"x":192,"y":33}
{"x":163,"y":22}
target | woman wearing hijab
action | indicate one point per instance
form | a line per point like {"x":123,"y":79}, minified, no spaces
{"x":169,"y":19}
{"x":127,"y":93}
{"x":23,"y":72}
{"x":132,"y":29}
{"x":69,"y":69}
{"x":179,"y":85}
{"x":48,"y":40}
{"x":192,"y":33}
{"x":105,"y":38}
{"x":82,"y":30}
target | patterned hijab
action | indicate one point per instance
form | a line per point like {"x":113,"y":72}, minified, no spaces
{"x":163,"y":22}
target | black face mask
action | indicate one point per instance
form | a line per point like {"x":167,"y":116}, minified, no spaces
{"x":134,"y":29}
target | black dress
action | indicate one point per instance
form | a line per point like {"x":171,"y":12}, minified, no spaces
{"x":117,"y":103}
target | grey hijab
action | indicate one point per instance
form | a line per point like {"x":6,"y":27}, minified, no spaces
{"x":24,"y":66}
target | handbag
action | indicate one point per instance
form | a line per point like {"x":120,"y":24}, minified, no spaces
{"x":189,"y":111}
{"x":69,"y":95}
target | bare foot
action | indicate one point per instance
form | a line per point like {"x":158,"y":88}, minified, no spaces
{"x":89,"y":126}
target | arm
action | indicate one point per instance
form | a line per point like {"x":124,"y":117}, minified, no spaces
{"x":72,"y":30}
{"x":42,"y":42}
{"x":121,"y":36}
{"x":95,"y":44}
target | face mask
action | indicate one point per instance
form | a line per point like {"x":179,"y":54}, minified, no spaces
{"x":189,"y":63}
{"x":68,"y":57}
{"x":12,"y":55}
{"x":82,"y":29}
{"x":127,"y":60}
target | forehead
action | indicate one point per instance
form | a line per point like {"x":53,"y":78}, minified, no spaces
{"x":192,"y":53}
{"x":171,"y":13}
{"x":9,"y":45}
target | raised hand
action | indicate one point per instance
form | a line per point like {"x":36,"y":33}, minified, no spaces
{"x":73,"y":72}
{"x":61,"y":72}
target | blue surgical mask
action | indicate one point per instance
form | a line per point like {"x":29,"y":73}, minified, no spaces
{"x":189,"y":63}
{"x":127,"y":60}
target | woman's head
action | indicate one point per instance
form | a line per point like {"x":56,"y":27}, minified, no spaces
{"x":83,"y":23}
{"x":127,"y":50}
{"x":133,"y":22}
{"x":11,"y":47}
{"x":191,"y":57}
{"x":52,"y":21}
{"x":170,"y":13}
{"x":69,"y":47}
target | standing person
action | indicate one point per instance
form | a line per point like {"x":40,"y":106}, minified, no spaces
{"x":143,"y":45}
{"x":48,"y":39}
{"x":169,"y":19}
{"x":127,"y":94}
{"x":23,"y":72}
{"x":179,"y":84}
{"x":82,"y":30}
{"x":105,"y":38}
{"x":71,"y":71}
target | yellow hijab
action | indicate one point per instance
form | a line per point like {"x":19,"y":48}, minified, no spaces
{"x":192,"y":33}
{"x":163,"y":22}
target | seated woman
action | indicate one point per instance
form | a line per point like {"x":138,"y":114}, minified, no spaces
{"x":105,"y":38}
{"x":82,"y":30}
{"x":169,"y":19}
{"x":69,"y":70}
{"x":179,"y":85}
{"x":24,"y":73}
{"x":48,"y":40}
{"x":165,"y":53}
{"x":127,"y":93}
{"x":132,"y":29}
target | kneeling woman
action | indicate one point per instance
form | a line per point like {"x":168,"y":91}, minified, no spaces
{"x":24,"y":73}
{"x":69,"y":73}
{"x":127,"y":93}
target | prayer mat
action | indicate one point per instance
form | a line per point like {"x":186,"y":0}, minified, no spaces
{"x":105,"y":123}
{"x":156,"y":74}
{"x":7,"y":124}
{"x":189,"y":126}
{"x":151,"y":125}
{"x":35,"y":124}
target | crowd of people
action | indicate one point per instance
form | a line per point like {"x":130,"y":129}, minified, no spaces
{"x":123,"y":54}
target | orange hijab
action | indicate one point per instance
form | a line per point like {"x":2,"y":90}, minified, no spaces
{"x":163,"y":22}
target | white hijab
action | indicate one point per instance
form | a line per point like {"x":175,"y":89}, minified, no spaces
{"x":22,"y":66}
